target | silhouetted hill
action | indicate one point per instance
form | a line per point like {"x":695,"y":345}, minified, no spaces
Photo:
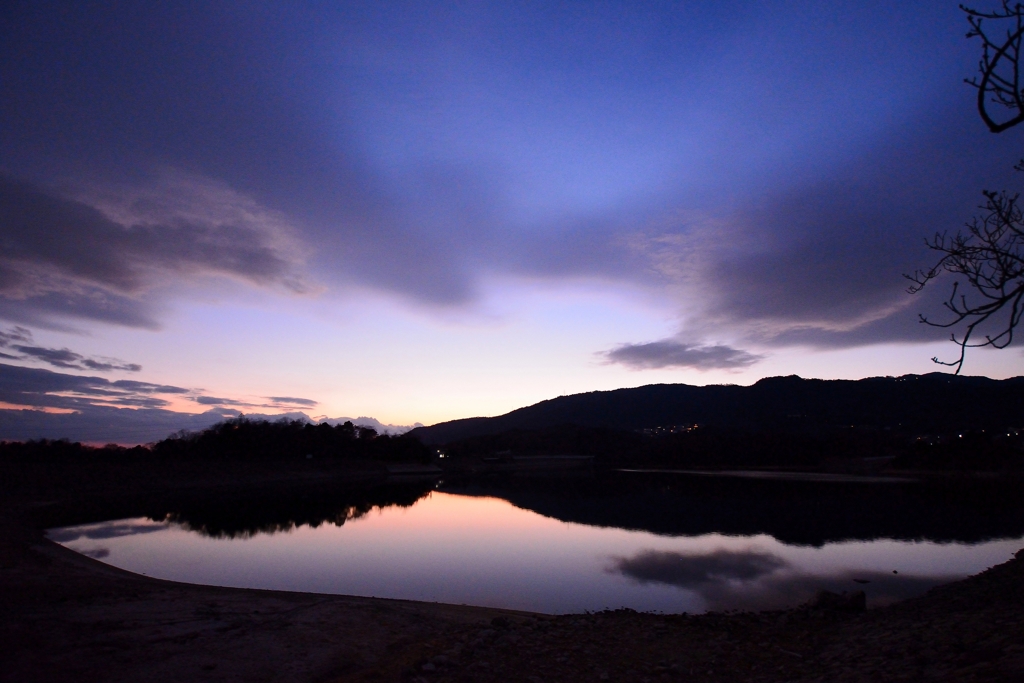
{"x":921,"y":404}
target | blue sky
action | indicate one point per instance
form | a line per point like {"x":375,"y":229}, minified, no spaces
{"x":425,"y":211}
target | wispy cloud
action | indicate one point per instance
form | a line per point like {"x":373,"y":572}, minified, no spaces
{"x":271,"y":402}
{"x":100,"y":253}
{"x":38,"y":403}
{"x":39,"y":388}
{"x":19,"y":339}
{"x":669,"y":353}
{"x":292,"y":401}
{"x":215,"y":401}
{"x":450,"y":161}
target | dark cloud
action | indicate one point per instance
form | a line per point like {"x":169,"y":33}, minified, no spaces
{"x":98,"y":410}
{"x":67,"y":257}
{"x":756,"y":580}
{"x":419,"y":169}
{"x":61,"y":358}
{"x":65,"y":358}
{"x":292,"y":401}
{"x":214,"y":401}
{"x":108,"y":364}
{"x":672,"y":354}
{"x":39,"y":388}
{"x":275,"y":402}
{"x":822,"y":264}
{"x":104,"y":424}
{"x":15,"y":335}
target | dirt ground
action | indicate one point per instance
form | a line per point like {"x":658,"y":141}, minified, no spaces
{"x":69,"y":618}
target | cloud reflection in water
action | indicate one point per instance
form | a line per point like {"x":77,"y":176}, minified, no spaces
{"x":756,"y":580}
{"x":103,"y":530}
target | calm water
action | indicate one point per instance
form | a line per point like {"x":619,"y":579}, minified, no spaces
{"x":484,"y":550}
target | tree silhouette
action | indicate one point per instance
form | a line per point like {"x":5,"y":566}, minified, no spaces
{"x":989,"y":254}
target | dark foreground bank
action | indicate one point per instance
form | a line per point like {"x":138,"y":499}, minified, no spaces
{"x":67,"y":617}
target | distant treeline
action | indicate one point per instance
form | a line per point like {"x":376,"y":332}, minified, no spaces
{"x":842,"y":449}
{"x":63,"y":450}
{"x":241,"y":439}
{"x":261,"y":439}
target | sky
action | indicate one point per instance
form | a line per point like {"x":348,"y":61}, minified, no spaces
{"x":421,"y":211}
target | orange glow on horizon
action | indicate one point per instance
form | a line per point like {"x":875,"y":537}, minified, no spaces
{"x":39,"y":409}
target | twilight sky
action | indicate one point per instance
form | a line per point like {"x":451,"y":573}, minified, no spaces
{"x":423,"y":211}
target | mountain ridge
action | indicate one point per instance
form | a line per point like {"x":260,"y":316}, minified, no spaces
{"x":930,"y":403}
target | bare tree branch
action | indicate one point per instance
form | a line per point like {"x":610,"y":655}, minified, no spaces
{"x":999,"y":84}
{"x":989,"y":255}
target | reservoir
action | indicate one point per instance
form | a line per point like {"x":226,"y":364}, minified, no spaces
{"x":648,"y":544}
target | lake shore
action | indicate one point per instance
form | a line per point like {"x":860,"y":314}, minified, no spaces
{"x":68,"y":617}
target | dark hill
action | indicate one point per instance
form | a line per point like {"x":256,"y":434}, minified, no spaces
{"x":920,"y":404}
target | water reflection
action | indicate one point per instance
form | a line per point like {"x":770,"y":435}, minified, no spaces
{"x":114,"y":529}
{"x":800,"y":513}
{"x":413,"y":543}
{"x":796,"y":512}
{"x":689,"y":571}
{"x":757,"y":580}
{"x":269,"y":512}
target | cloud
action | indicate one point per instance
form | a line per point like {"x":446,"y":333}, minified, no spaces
{"x":289,"y":400}
{"x":371,"y":422}
{"x":15,"y":334}
{"x":105,"y":424}
{"x":276,"y":402}
{"x":39,"y":388}
{"x":65,"y":358}
{"x":821,"y":263}
{"x":101,"y":254}
{"x":673,"y":354}
{"x":60,"y":358}
{"x":56,"y":405}
{"x":418,"y":168}
{"x":100,"y":424}
{"x":214,"y":401}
